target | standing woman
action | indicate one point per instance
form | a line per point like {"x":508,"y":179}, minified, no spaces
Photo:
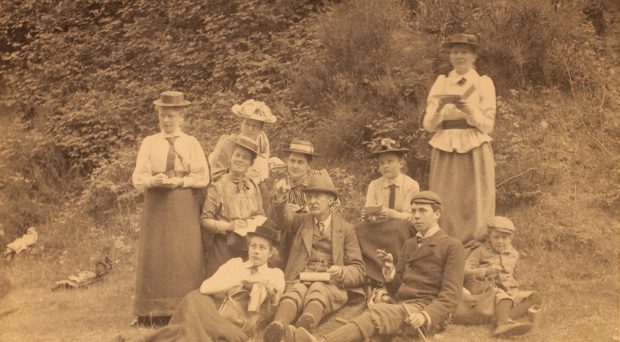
{"x":170,"y":167}
{"x":461,"y":112}
{"x":231,"y":201}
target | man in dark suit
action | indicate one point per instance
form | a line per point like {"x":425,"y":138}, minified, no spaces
{"x":324,"y":246}
{"x":425,"y":285}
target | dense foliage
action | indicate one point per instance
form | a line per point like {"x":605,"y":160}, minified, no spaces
{"x":78,"y":80}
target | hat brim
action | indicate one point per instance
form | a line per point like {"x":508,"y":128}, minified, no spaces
{"x":501,"y":230}
{"x":255,"y":117}
{"x":447,"y":45}
{"x":271,"y":239}
{"x":245,"y":147}
{"x":158,"y":102}
{"x":425,"y":201}
{"x":300,"y":152}
{"x":321,"y":190}
{"x":397,"y":151}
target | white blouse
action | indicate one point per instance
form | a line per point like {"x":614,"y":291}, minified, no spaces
{"x":153,"y":155}
{"x":378,"y":193}
{"x":481,"y":102}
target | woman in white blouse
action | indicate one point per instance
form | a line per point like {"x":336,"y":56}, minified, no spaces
{"x":170,"y":168}
{"x":461,"y":112}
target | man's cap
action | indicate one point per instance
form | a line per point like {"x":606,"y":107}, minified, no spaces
{"x":502,"y":224}
{"x":426,"y":197}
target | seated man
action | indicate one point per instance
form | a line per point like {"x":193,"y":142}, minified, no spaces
{"x":493,"y":263}
{"x":425,"y":286}
{"x":322,"y":242}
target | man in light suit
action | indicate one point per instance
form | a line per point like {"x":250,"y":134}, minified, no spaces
{"x":425,"y":286}
{"x":322,"y":242}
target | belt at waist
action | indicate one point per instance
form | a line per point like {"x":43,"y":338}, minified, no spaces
{"x":172,"y":174}
{"x":455,"y":124}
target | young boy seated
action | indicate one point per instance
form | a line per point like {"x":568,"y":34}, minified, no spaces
{"x":494,"y":263}
{"x":254,"y":286}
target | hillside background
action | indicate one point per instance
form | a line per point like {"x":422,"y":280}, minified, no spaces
{"x":78,"y":79}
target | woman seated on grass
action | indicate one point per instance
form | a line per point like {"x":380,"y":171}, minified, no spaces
{"x":253,"y":286}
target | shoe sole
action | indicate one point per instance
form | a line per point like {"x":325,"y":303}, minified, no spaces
{"x":273,"y":333}
{"x":306,"y":321}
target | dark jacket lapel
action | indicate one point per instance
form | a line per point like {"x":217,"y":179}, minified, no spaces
{"x":337,"y":238}
{"x":306,"y":233}
{"x":427,"y":247}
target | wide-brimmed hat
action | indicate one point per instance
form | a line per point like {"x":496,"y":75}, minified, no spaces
{"x":255,"y":110}
{"x":388,"y":145}
{"x":247,"y":143}
{"x":171,"y":98}
{"x":426,"y":197}
{"x":461,"y":39}
{"x":268,"y":231}
{"x":320,"y":181}
{"x":502,"y":224}
{"x":301,"y":146}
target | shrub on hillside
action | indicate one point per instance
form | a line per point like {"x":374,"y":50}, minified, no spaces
{"x":370,"y":64}
{"x":526,"y":42}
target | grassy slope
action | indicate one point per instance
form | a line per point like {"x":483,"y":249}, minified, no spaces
{"x":581,"y":294}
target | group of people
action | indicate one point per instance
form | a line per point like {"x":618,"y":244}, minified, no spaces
{"x":232,"y":248}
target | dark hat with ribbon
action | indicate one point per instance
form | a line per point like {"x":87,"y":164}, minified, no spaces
{"x":302,"y":147}
{"x":247,"y":143}
{"x":171,"y":98}
{"x":320,"y":181}
{"x":426,"y":197}
{"x":388,"y":145}
{"x":461,"y":39}
{"x":502,"y":224}
{"x":268,"y":231}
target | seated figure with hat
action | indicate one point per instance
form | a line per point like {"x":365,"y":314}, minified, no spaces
{"x":387,"y":208}
{"x":235,"y":302}
{"x":233,"y":205}
{"x":325,"y":265}
{"x":493,"y":264}
{"x":425,"y":285}
{"x":170,"y":166}
{"x":253,"y":115}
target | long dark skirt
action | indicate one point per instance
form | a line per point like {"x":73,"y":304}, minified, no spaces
{"x":466,"y":184}
{"x":171,"y":257}
{"x":220,"y":251}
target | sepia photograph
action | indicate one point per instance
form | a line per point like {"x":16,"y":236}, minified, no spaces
{"x":309,"y":170}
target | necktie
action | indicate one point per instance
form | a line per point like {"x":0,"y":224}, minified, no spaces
{"x":253,"y":270}
{"x":420,"y":239}
{"x":462,"y":81}
{"x":240,"y":183}
{"x":392,"y":196}
{"x":171,"y":157}
{"x":321,"y":228}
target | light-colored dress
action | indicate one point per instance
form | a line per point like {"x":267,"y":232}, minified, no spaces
{"x":219,"y":159}
{"x":228,"y":200}
{"x":171,"y":257}
{"x":462,"y":164}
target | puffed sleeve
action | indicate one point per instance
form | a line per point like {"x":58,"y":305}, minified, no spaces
{"x":199,"y":169}
{"x":483,"y":115}
{"x":141,"y":177}
{"x":432,"y":118}
{"x":261,"y":163}
{"x":371,"y":195}
{"x":210,"y":211}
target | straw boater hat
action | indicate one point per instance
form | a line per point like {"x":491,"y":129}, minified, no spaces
{"x":255,"y":110}
{"x":502,"y":224}
{"x":302,"y":147}
{"x":389,"y":145}
{"x":268,"y":231}
{"x":247,"y":143}
{"x":320,"y":181}
{"x":171,"y":98}
{"x":461,"y":39}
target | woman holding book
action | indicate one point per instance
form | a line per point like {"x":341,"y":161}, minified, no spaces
{"x":233,"y":206}
{"x":461,"y":112}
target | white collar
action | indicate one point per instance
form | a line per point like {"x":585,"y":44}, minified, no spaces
{"x":261,"y":269}
{"x":177,"y":133}
{"x":430,"y":232}
{"x":327,"y":222}
{"x":398,"y":180}
{"x":470,"y":75}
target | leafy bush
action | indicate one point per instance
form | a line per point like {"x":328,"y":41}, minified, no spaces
{"x":526,"y":42}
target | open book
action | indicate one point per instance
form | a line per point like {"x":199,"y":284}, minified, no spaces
{"x":252,"y":224}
